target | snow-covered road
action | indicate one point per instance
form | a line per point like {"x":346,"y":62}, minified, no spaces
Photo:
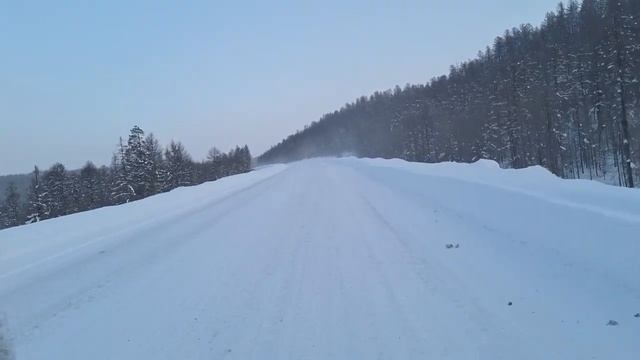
{"x":335,"y":259}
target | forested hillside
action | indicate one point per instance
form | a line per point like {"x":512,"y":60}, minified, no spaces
{"x":564,"y":95}
{"x":140,"y":168}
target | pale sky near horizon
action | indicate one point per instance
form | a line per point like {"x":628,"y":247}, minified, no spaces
{"x":77,"y":75}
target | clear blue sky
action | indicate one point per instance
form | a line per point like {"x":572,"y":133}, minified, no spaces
{"x":77,"y":75}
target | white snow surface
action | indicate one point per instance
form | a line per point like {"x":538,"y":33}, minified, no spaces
{"x":335,"y":259}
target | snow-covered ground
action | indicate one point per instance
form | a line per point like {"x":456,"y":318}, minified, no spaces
{"x":335,"y":259}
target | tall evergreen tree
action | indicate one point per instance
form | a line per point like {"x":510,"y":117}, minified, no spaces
{"x":138,"y":164}
{"x":72,"y":194}
{"x":90,"y":188}
{"x":214,"y":159}
{"x":121,"y":189}
{"x":178,"y":166}
{"x":36,"y":207}
{"x":154,"y":167}
{"x":54,"y":194}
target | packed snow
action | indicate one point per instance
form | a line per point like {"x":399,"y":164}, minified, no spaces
{"x":335,"y":259}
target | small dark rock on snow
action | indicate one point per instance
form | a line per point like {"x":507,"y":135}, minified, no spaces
{"x":637,"y":315}
{"x":510,"y":303}
{"x":612,"y":323}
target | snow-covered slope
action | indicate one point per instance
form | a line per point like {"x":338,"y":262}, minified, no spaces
{"x":335,"y":259}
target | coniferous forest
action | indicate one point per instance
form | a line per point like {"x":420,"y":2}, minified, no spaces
{"x":140,"y":167}
{"x":564,"y":95}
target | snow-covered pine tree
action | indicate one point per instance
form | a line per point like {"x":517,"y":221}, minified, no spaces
{"x":153,"y":169}
{"x":121,"y":191}
{"x":72,"y":194}
{"x":138,"y":164}
{"x":178,"y":166}
{"x":90,"y":191}
{"x":246,"y":159}
{"x":623,"y":45}
{"x":214,"y":161}
{"x":36,"y":207}
{"x":53,"y":183}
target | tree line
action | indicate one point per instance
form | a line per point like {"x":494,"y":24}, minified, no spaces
{"x":564,"y":95}
{"x":140,"y":167}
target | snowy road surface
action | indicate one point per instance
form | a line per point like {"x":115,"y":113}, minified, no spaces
{"x":335,"y":259}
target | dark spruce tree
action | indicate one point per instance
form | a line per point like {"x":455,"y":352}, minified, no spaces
{"x":153,"y":169}
{"x":91,"y":188}
{"x":55,"y":195}
{"x":121,"y":189}
{"x":178,"y":166}
{"x":138,"y":166}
